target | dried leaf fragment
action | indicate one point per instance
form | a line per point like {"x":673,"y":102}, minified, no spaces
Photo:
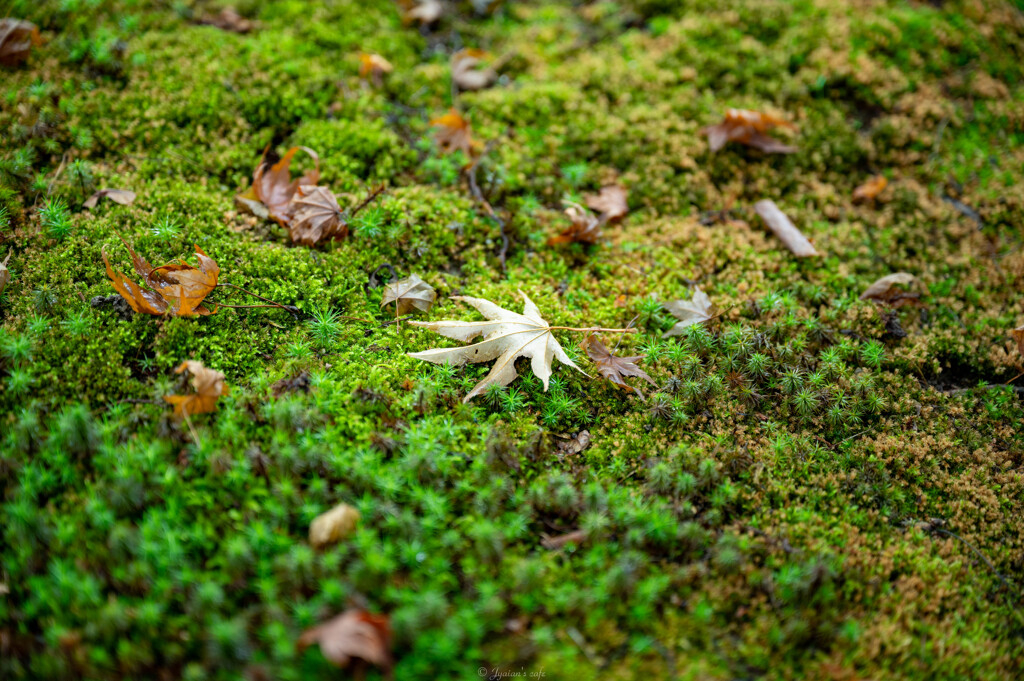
{"x":784,"y":229}
{"x":584,"y":227}
{"x":179,"y":288}
{"x":886,"y":290}
{"x":121,"y":196}
{"x":228,"y":19}
{"x":616,"y":369}
{"x":553,"y":543}
{"x":468,"y":72}
{"x":373,"y":66}
{"x":870,"y":189}
{"x":406,"y":294}
{"x":209,"y":386}
{"x":454,"y":133}
{"x":610,"y":202}
{"x":316,"y":215}
{"x":333,"y":526}
{"x":695,"y":310}
{"x":749,"y":128}
{"x":1018,"y":335}
{"x":426,"y":12}
{"x":507,"y":336}
{"x":352,"y":635}
{"x":5,"y":274}
{"x":16,"y":40}
{"x":273,"y":186}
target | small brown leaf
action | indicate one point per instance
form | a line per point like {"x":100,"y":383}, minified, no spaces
{"x":121,"y":196}
{"x":373,"y":66}
{"x":454,"y":133}
{"x":784,"y":229}
{"x":610,"y":202}
{"x":886,"y":290}
{"x":16,"y":40}
{"x":333,"y":526}
{"x":696,"y":310}
{"x":1018,"y":335}
{"x":584,"y":228}
{"x":227,"y":20}
{"x":467,"y":72}
{"x":411,"y":292}
{"x":749,"y":128}
{"x":209,"y":386}
{"x":299,"y":383}
{"x":273,"y":186}
{"x":5,"y":274}
{"x":316,"y":215}
{"x":870,"y":189}
{"x":426,"y":12}
{"x":180,"y":288}
{"x":615,"y":369}
{"x":354,"y":634}
{"x":553,"y":543}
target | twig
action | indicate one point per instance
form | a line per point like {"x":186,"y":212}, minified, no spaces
{"x":296,"y":312}
{"x":195,"y":436}
{"x":396,"y":320}
{"x":377,"y":191}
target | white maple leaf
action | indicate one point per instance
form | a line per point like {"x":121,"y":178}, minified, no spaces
{"x":507,"y":336}
{"x":689,"y":312}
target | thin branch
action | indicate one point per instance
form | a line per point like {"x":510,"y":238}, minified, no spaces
{"x":377,"y":191}
{"x":195,"y":436}
{"x":290,"y":308}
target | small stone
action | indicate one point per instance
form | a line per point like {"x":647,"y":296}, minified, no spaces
{"x":333,"y":526}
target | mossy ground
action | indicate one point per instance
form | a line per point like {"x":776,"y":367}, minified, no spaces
{"x":808,"y":496}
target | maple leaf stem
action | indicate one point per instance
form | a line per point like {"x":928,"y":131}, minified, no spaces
{"x":377,"y":191}
{"x":195,"y":436}
{"x":290,"y":308}
{"x":591,"y":329}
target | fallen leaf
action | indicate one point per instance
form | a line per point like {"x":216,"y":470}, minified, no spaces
{"x":228,"y":19}
{"x":584,"y":227}
{"x":333,"y":526}
{"x":507,"y":336}
{"x":784,"y":229}
{"x":886,"y":290}
{"x":179,"y":288}
{"x":273,"y":186}
{"x":424,"y":11}
{"x":610,"y":202}
{"x":454,"y":133}
{"x":1018,"y":334}
{"x":16,"y":40}
{"x":5,"y":274}
{"x":316,"y":215}
{"x":354,"y":634}
{"x":689,"y":312}
{"x":406,"y":294}
{"x":121,"y":196}
{"x":373,"y":66}
{"x":749,"y":128}
{"x":574,"y":537}
{"x":467,"y":72}
{"x":575,"y":444}
{"x":616,"y":369}
{"x":870,"y":189}
{"x":299,"y":383}
{"x":209,"y":386}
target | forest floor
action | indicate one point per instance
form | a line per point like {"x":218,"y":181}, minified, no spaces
{"x":815,"y":486}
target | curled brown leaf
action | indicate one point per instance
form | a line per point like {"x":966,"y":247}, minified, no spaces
{"x":870,"y":189}
{"x":352,"y":635}
{"x":406,"y":294}
{"x":584,"y":227}
{"x":209,"y":386}
{"x":273,"y":186}
{"x":749,"y":128}
{"x":16,"y":40}
{"x":887,"y":290}
{"x":454,"y":133}
{"x":315,"y":216}
{"x":121,"y":196}
{"x":178,"y":288}
{"x":610,"y":202}
{"x":468,"y":71}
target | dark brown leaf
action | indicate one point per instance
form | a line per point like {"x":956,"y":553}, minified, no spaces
{"x":616,"y":369}
{"x":584,"y":228}
{"x":228,"y":19}
{"x":273,"y":186}
{"x":316,"y":215}
{"x":454,"y":133}
{"x":16,"y":40}
{"x":749,"y":128}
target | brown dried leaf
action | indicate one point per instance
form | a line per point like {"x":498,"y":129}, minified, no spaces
{"x":784,"y":229}
{"x":696,"y":310}
{"x":373,"y":66}
{"x":227,"y":20}
{"x":333,"y":526}
{"x":453,"y":133}
{"x":299,"y":383}
{"x":209,"y":386}
{"x":870,"y":189}
{"x":273,"y":186}
{"x":16,"y":40}
{"x":584,"y":228}
{"x":749,"y":128}
{"x":1018,"y":335}
{"x":610,"y":202}
{"x":886,"y":290}
{"x":411,"y":292}
{"x":354,"y":634}
{"x":5,"y":274}
{"x":615,"y":369}
{"x":426,"y":12}
{"x":121,"y":196}
{"x":466,"y":71}
{"x":553,"y":543}
{"x":180,"y":288}
{"x":316,"y":215}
